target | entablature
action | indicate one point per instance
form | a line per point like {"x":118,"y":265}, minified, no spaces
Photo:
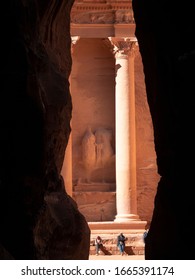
{"x":84,"y":11}
{"x":101,"y":18}
{"x":102,"y":30}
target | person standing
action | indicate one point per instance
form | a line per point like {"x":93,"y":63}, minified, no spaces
{"x":121,"y":243}
{"x":145,"y":235}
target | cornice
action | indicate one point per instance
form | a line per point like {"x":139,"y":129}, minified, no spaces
{"x":91,"y":7}
{"x":101,"y":6}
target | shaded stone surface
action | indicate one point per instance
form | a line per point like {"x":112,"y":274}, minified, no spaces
{"x":165,"y":35}
{"x":35,"y":119}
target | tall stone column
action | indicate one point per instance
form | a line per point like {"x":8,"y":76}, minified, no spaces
{"x":126,"y":196}
{"x":67,"y":165}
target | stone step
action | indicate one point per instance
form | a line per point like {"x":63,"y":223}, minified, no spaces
{"x":134,"y":244}
{"x":113,"y":228}
{"x":113,"y":250}
{"x":133,"y":239}
{"x":95,"y":187}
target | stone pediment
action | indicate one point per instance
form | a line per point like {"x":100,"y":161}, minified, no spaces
{"x":102,"y":12}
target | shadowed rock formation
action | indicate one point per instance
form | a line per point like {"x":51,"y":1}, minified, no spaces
{"x":35,"y":118}
{"x":165,"y":32}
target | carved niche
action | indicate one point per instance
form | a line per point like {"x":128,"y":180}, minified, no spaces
{"x":97,"y":151}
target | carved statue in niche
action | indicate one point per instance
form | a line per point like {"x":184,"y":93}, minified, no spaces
{"x":97,"y":150}
{"x":104,"y":149}
{"x":89,"y":152}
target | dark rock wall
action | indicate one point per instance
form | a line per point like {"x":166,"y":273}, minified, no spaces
{"x":165,"y":32}
{"x":37,"y":218}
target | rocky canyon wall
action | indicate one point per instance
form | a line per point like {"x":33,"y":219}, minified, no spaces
{"x":165,"y":32}
{"x":38,"y":219}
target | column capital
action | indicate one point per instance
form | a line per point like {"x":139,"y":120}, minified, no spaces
{"x":126,"y":46}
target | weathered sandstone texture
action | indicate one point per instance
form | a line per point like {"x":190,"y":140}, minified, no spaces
{"x":165,"y":32}
{"x":38,"y":219}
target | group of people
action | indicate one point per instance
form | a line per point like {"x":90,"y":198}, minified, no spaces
{"x":120,"y":244}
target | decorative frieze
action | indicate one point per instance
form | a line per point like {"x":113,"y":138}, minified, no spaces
{"x":87,"y":11}
{"x":96,"y":17}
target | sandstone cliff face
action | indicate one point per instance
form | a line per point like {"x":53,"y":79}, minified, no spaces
{"x":38,"y":219}
{"x":165,"y":35}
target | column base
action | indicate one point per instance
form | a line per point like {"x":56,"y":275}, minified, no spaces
{"x":126,"y":218}
{"x":136,"y":226}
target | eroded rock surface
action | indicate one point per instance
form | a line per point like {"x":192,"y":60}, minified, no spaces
{"x":165,"y":34}
{"x":35,"y":119}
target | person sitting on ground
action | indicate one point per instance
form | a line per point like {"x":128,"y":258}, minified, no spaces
{"x":121,"y":243}
{"x":98,"y":244}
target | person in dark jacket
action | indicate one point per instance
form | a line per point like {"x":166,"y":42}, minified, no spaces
{"x":121,"y":243}
{"x":145,"y":235}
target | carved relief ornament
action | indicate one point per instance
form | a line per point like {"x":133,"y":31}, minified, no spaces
{"x":124,"y":46}
{"x":101,"y":12}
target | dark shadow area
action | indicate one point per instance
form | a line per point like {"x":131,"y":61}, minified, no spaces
{"x":104,"y":250}
{"x":169,"y":63}
{"x":129,"y":250}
